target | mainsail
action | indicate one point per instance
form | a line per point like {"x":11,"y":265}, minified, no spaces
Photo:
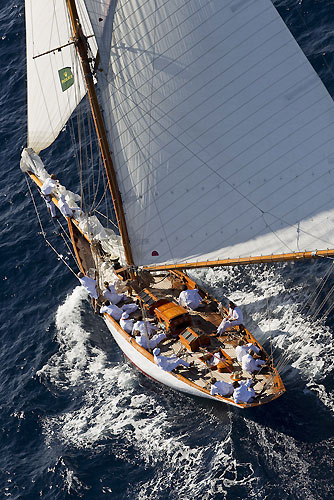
{"x":222,"y":132}
{"x":55,"y":82}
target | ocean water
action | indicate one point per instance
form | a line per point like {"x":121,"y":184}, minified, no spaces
{"x":76,"y":421}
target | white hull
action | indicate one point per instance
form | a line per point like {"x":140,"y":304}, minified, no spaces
{"x":150,"y":369}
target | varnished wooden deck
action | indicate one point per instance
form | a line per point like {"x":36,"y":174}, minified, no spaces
{"x":267,"y":385}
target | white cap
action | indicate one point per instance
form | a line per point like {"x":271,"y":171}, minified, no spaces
{"x":125,"y":315}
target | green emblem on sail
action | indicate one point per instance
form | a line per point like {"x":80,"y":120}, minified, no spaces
{"x":66,"y":78}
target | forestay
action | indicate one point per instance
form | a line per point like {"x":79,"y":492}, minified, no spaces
{"x":222,"y":132}
{"x":55,"y":84}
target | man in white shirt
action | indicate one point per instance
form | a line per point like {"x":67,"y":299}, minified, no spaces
{"x":49,"y":184}
{"x":152,"y":342}
{"x":216,"y":358}
{"x":189,"y":298}
{"x":234,"y":318}
{"x":242,"y":349}
{"x":143,"y":331}
{"x":142,"y":338}
{"x":111,"y":309}
{"x":65,"y":209}
{"x":47,"y":187}
{"x":251,"y":365}
{"x":168,"y":363}
{"x":222,"y":388}
{"x":243,"y":392}
{"x":144,"y":327}
{"x":129,"y":308}
{"x":110,"y":293}
{"x":125,"y":323}
{"x":89,"y":284}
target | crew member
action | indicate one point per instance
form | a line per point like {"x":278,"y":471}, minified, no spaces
{"x":242,"y":349}
{"x":111,"y":309}
{"x":89,"y":284}
{"x":168,"y":363}
{"x":125,"y":323}
{"x":222,"y":388}
{"x":233,"y":318}
{"x":189,"y":298}
{"x":251,"y":365}
{"x":243,"y":392}
{"x":110,"y":293}
{"x":47,"y":187}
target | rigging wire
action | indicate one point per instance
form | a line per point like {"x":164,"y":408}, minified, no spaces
{"x":316,"y":293}
{"x":60,"y":257}
{"x":269,"y":328}
{"x":87,"y":141}
{"x":65,"y":236}
{"x":310,"y":302}
{"x":82,"y":193}
{"x":317,"y":321}
{"x":106,"y":200}
{"x":100,"y":174}
{"x":83,"y":161}
{"x":82,"y":138}
{"x":325,"y":300}
{"x":109,"y":211}
{"x":105,"y":216}
{"x":76,"y":144}
{"x":329,"y":310}
{"x":90,"y":160}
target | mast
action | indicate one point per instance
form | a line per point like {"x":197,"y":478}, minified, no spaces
{"x":81,"y":44}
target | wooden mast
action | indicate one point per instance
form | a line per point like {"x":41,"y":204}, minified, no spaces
{"x":81,"y":44}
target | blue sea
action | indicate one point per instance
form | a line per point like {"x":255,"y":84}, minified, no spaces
{"x":77,"y":421}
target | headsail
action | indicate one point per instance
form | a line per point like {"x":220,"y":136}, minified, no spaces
{"x":222,"y":132}
{"x":55,"y":84}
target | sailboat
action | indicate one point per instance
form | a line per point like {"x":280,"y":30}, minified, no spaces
{"x":216,"y":136}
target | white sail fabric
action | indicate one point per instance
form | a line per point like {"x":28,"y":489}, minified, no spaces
{"x":222,"y":132}
{"x":49,"y":106}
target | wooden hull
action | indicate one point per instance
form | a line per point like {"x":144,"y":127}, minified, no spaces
{"x":144,"y":361}
{"x":147,"y":366}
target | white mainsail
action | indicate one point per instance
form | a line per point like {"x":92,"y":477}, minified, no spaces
{"x":51,"y":95}
{"x":222,"y":132}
